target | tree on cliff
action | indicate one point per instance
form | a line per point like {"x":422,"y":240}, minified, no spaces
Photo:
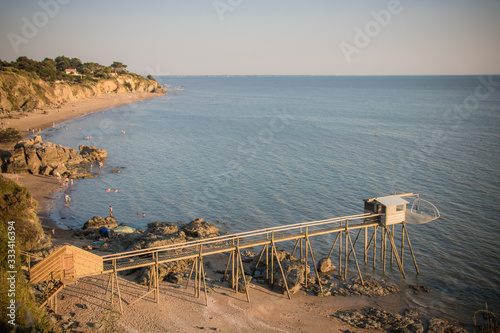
{"x":62,"y":63}
{"x":118,"y":66}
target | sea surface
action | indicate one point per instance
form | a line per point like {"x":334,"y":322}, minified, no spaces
{"x":255,"y":152}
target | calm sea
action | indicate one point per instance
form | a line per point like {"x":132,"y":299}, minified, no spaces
{"x":254,"y":152}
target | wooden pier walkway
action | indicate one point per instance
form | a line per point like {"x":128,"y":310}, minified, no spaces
{"x":300,"y":233}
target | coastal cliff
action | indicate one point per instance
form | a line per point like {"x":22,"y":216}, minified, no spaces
{"x":22,"y":90}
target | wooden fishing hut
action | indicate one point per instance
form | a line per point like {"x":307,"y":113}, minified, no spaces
{"x":392,"y":209}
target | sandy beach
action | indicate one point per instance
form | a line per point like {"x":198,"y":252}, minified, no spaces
{"x":41,"y":119}
{"x":85,"y":307}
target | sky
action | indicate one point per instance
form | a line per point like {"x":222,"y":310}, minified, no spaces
{"x":260,"y":37}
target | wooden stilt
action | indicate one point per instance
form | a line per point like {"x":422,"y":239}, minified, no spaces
{"x":308,"y":242}
{"x":345,"y":253}
{"x":119,"y":293}
{"x":384,"y":245}
{"x":340,"y":252}
{"x":305,"y":261}
{"x":232,"y":271}
{"x":243,"y":275}
{"x":301,"y":244}
{"x":192,"y":269}
{"x":402,"y":241}
{"x":157,"y":280}
{"x":237,"y":254}
{"x":333,"y":246}
{"x":196,"y":268}
{"x":273,"y":249}
{"x":366,"y":245}
{"x":355,"y":241}
{"x":375,"y":246}
{"x":355,"y":259}
{"x":204,"y":282}
{"x":391,"y":245}
{"x":295,"y":247}
{"x":258,"y":261}
{"x":267,"y":259}
{"x":395,"y":252}
{"x":411,"y":249}
{"x":272,"y":260}
{"x":107,"y":285}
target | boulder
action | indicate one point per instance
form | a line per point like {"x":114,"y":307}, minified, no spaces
{"x":325,"y":265}
{"x":17,"y":162}
{"x":92,"y":154}
{"x":200,"y":228}
{"x":294,"y":271}
{"x":59,"y":170}
{"x":98,"y":222}
{"x":32,"y":160}
{"x":162,"y":228}
{"x":152,"y":240}
{"x":165,"y":271}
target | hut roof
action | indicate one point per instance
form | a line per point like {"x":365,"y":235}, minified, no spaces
{"x":392,"y":200}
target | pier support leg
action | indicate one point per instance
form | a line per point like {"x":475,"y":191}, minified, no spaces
{"x":308,"y":243}
{"x":392,"y":252}
{"x":333,"y":246}
{"x":355,"y":241}
{"x":375,"y":246}
{"x":260,"y":257}
{"x":411,"y":249}
{"x":366,"y":246}
{"x":355,"y":259}
{"x":395,"y":252}
{"x":240,"y":261}
{"x":275,"y":252}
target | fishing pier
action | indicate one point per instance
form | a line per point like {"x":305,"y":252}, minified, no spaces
{"x":379,"y":221}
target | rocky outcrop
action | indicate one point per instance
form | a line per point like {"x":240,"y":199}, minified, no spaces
{"x":25,"y":91}
{"x":372,"y":287}
{"x":200,"y":229}
{"x":157,"y":234}
{"x":170,"y":271}
{"x":294,"y":272}
{"x":98,"y":222}
{"x":44,"y":158}
{"x":408,"y":321}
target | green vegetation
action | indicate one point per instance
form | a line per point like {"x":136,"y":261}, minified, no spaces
{"x":54,"y":69}
{"x":16,"y":204}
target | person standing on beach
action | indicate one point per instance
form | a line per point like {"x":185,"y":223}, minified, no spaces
{"x":110,"y":211}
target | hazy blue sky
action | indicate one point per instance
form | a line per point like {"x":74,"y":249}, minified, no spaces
{"x":284,"y":37}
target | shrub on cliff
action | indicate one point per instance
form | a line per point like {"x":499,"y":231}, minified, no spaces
{"x":16,"y":204}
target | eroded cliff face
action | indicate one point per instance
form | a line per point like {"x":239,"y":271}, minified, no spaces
{"x":25,"y":92}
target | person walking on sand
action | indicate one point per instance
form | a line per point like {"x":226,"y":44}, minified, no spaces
{"x":110,"y":211}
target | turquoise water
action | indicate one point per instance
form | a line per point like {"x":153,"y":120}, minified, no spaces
{"x":264,"y":151}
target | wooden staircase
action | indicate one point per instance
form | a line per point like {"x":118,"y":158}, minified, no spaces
{"x":58,"y":286}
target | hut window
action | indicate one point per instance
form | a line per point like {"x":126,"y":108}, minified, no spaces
{"x":400,"y":208}
{"x":369,"y":206}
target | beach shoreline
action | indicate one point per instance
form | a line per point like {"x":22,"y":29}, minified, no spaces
{"x":40,"y":119}
{"x":45,"y":189}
